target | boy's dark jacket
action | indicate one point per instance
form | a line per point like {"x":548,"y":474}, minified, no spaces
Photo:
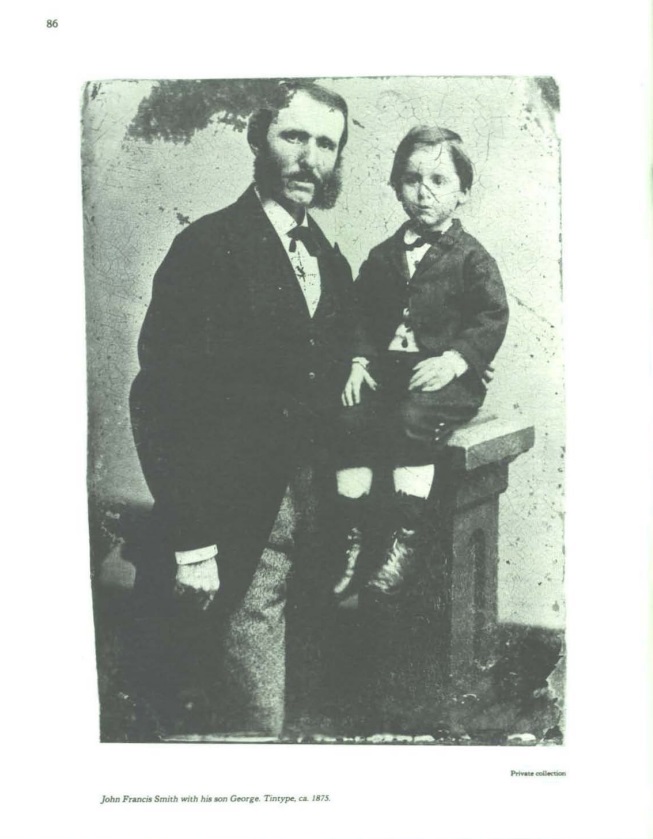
{"x":456,"y":298}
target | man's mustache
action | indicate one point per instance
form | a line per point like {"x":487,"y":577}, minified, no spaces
{"x":305,"y":175}
{"x":268,"y":176}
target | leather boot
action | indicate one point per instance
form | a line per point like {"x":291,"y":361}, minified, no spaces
{"x":352,"y":514}
{"x":402,"y":556}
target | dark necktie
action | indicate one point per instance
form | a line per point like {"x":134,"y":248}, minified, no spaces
{"x":424,"y":239}
{"x":307,"y":237}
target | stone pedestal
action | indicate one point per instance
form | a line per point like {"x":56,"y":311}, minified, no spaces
{"x":477,"y":462}
{"x":426,"y":646}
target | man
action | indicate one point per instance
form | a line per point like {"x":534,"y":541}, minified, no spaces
{"x":243,"y":353}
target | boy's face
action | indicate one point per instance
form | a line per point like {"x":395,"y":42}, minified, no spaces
{"x":430,"y":187}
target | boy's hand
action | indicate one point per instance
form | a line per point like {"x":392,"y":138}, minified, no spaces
{"x":432,"y":374}
{"x":351,"y":395}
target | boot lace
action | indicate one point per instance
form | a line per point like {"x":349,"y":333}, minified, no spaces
{"x":396,"y":555}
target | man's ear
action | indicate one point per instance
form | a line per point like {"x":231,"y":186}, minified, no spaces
{"x":464,"y":197}
{"x":254,"y":131}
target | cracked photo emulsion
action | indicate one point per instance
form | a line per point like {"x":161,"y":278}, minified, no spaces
{"x":326,"y":409}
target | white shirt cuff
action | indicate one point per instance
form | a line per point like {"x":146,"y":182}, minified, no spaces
{"x":196,"y":555}
{"x":460,"y":366}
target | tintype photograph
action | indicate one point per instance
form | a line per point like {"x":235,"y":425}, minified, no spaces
{"x":326,"y":409}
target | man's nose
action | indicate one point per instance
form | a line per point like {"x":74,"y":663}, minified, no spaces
{"x":309,"y":154}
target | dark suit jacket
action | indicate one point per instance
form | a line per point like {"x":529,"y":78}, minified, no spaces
{"x":233,"y":368}
{"x":456,"y":299}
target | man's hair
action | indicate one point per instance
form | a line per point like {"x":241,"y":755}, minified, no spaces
{"x":426,"y":135}
{"x":260,"y":121}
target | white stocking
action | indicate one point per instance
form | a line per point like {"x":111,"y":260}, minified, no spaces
{"x":414,"y":480}
{"x":354,"y":482}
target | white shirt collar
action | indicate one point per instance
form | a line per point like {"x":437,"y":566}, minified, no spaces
{"x":279,"y":217}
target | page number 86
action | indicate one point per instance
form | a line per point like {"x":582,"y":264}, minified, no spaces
{"x":52,"y":24}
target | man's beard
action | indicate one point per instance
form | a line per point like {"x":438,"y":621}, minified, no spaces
{"x":269,"y":182}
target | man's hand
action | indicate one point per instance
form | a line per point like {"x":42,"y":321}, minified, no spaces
{"x":432,"y":374}
{"x":351,"y":395}
{"x":198,"y":581}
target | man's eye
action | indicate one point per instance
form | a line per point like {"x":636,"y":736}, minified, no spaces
{"x":326,"y":144}
{"x":410,"y":179}
{"x":295,"y":136}
{"x":438,"y":180}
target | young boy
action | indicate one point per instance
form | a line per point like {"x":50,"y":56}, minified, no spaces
{"x":431,"y":313}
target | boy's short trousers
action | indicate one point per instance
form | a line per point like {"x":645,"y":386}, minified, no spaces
{"x":395,"y":426}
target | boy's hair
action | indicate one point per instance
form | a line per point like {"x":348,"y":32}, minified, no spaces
{"x":261,"y":119}
{"x":426,"y":135}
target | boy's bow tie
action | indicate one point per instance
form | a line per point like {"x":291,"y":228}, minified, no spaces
{"x":307,"y":237}
{"x":424,"y":239}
